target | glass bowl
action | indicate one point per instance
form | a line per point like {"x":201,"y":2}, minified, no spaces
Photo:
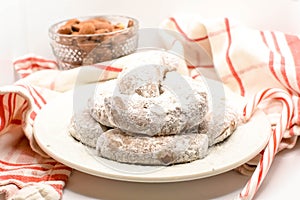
{"x":86,"y":49}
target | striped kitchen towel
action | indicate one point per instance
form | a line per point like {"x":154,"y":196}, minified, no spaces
{"x":25,"y":169}
{"x":262,"y":66}
{"x":26,"y":172}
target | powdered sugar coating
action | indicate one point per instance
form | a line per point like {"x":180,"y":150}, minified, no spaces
{"x":150,"y":97}
{"x":221,"y":125}
{"x":132,"y":79}
{"x":217,"y":127}
{"x":163,"y":103}
{"x":85,"y":129}
{"x":96,"y":103}
{"x":164,"y":150}
{"x":152,"y":57}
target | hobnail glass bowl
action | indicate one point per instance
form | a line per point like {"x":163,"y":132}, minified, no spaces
{"x":77,"y":50}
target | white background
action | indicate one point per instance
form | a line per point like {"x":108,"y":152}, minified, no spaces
{"x":24,"y":23}
{"x":24,"y":29}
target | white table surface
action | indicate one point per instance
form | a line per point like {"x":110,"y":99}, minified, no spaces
{"x":282,"y":182}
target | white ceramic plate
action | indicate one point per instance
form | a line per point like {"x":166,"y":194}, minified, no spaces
{"x":50,"y":131}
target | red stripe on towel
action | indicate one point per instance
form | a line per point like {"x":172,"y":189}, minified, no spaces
{"x":2,"y":113}
{"x":33,"y":59}
{"x":294,"y":45}
{"x":282,"y":61}
{"x":108,"y":68}
{"x":230,"y":65}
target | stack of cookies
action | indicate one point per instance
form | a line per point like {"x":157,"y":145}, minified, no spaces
{"x":152,"y":116}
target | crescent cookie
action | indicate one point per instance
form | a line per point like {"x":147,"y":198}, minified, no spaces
{"x":190,"y":145}
{"x":163,"y":150}
{"x":156,"y":101}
